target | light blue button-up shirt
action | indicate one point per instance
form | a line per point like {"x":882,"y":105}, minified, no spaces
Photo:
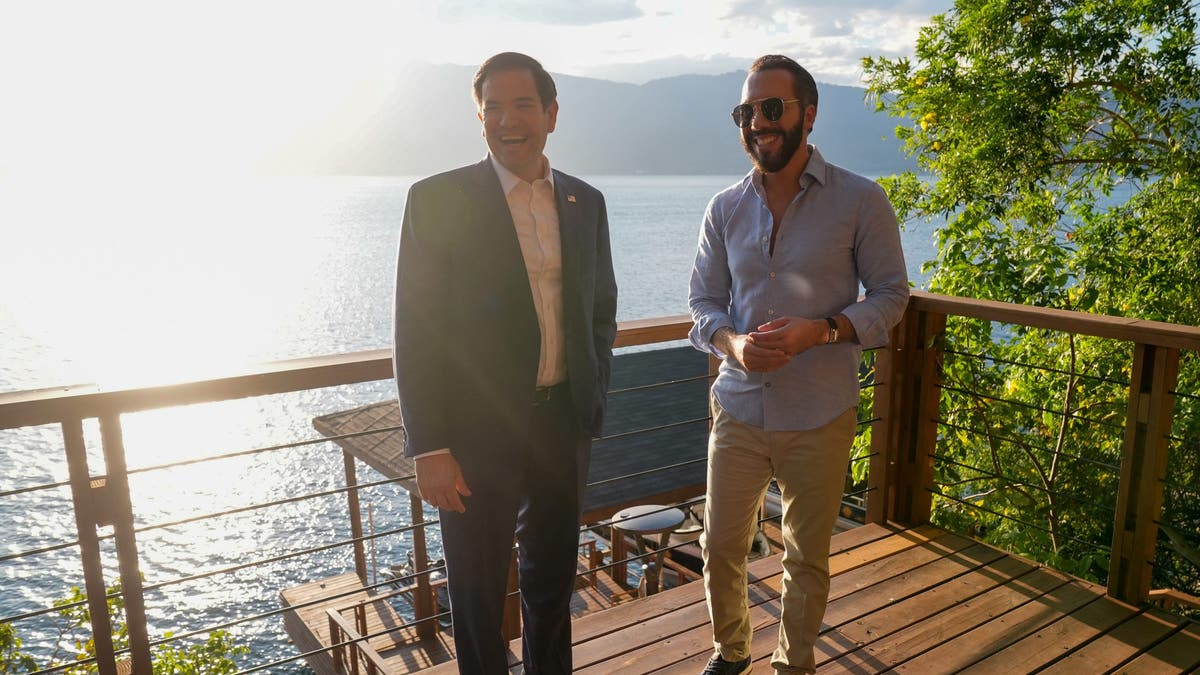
{"x":839,"y":232}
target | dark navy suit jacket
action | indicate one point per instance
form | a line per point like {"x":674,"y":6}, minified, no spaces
{"x":466,"y":341}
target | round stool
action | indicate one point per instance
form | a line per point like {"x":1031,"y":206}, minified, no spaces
{"x":641,"y":521}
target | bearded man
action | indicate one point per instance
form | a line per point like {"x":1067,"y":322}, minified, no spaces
{"x":775,"y":294}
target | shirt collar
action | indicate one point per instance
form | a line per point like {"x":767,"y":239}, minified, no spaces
{"x":509,"y":180}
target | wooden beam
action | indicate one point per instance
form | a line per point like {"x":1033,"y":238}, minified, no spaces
{"x":651,"y":331}
{"x":89,"y":545}
{"x":1143,"y":470}
{"x":1082,"y":323}
{"x":887,"y":425}
{"x":356,"y":528}
{"x":424,"y":606}
{"x":904,"y":437}
{"x":127,"y":552}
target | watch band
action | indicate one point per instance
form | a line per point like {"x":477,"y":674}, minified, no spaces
{"x":833,"y":330}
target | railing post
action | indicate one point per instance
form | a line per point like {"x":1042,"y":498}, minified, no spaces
{"x":1143,"y":470}
{"x":904,"y":435}
{"x":127,"y":552}
{"x":885,"y":429}
{"x":423,"y":605}
{"x":88,"y":516}
{"x":356,"y":528}
{"x":335,"y":636}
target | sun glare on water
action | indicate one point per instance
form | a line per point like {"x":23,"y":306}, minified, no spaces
{"x":138,"y":283}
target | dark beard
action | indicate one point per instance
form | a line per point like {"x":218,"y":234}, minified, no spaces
{"x":792,"y":139}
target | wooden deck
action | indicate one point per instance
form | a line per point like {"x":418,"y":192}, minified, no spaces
{"x":920,"y":601}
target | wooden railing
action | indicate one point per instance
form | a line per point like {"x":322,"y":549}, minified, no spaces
{"x":907,"y":400}
{"x":904,"y":437}
{"x":359,"y":654}
{"x":103,"y":499}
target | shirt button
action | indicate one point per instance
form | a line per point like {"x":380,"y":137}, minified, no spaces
{"x":765,"y":238}
{"x":770,"y":312}
{"x":767,"y":385}
{"x":772,"y":275}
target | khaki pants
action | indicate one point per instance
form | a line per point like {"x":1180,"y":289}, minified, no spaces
{"x":810,"y":468}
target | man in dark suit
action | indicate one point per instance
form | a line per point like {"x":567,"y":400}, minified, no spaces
{"x":504,"y":324}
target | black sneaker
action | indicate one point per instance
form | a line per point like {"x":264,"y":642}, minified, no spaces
{"x":719,"y":666}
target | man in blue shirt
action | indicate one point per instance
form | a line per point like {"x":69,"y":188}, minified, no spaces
{"x":775,"y":294}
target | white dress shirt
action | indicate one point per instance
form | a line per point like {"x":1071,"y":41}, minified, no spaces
{"x":535,"y":217}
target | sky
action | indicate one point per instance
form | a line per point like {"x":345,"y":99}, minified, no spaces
{"x":126,"y":86}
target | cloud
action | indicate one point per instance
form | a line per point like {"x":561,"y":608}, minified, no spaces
{"x":764,"y":10}
{"x":550,"y":12}
{"x":829,"y":26}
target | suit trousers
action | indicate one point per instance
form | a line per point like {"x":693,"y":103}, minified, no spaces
{"x":535,"y":491}
{"x":810,"y":469}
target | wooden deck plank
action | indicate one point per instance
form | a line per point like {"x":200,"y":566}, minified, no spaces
{"x":1001,"y":631}
{"x":597,"y":625}
{"x":901,"y":602}
{"x":439,"y":649}
{"x":1038,"y":649}
{"x":1179,"y":653}
{"x":665,"y":639}
{"x":307,"y":626}
{"x":1121,"y":644}
{"x":888,"y":569}
{"x":958,"y":619}
{"x":917,"y":600}
{"x":928,"y":590}
{"x":684,"y":629}
{"x":688,"y":603}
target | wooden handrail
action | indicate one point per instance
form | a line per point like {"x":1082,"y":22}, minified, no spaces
{"x":375,"y":662}
{"x":1099,"y":325}
{"x":56,"y":404}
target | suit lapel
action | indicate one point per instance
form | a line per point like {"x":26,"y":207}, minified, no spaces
{"x":570,"y":233}
{"x":494,"y":219}
{"x":498,"y":234}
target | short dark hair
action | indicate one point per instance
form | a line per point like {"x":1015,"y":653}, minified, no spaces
{"x":804,"y":85}
{"x":516,"y":61}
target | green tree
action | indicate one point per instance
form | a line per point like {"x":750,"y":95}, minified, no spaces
{"x":11,"y":658}
{"x":1059,"y":140}
{"x":212,"y":657}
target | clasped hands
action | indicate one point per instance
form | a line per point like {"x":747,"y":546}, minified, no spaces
{"x":776,"y":342}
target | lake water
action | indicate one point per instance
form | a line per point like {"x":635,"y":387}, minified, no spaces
{"x":125,"y":282}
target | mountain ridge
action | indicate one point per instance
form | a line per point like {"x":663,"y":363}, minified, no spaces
{"x":422,"y":120}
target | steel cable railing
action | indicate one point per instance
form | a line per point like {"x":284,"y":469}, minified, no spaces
{"x":118,"y":595}
{"x":1028,"y":406}
{"x":1024,"y":442}
{"x":1036,"y":367}
{"x":853,"y":492}
{"x":1009,"y":481}
{"x":1088,"y":544}
{"x":647,"y":430}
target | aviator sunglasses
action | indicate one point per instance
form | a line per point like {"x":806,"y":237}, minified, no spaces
{"x":769,"y":108}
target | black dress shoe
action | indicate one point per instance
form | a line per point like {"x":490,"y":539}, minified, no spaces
{"x":719,"y":666}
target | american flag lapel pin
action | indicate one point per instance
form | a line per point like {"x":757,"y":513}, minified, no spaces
{"x":571,"y":198}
